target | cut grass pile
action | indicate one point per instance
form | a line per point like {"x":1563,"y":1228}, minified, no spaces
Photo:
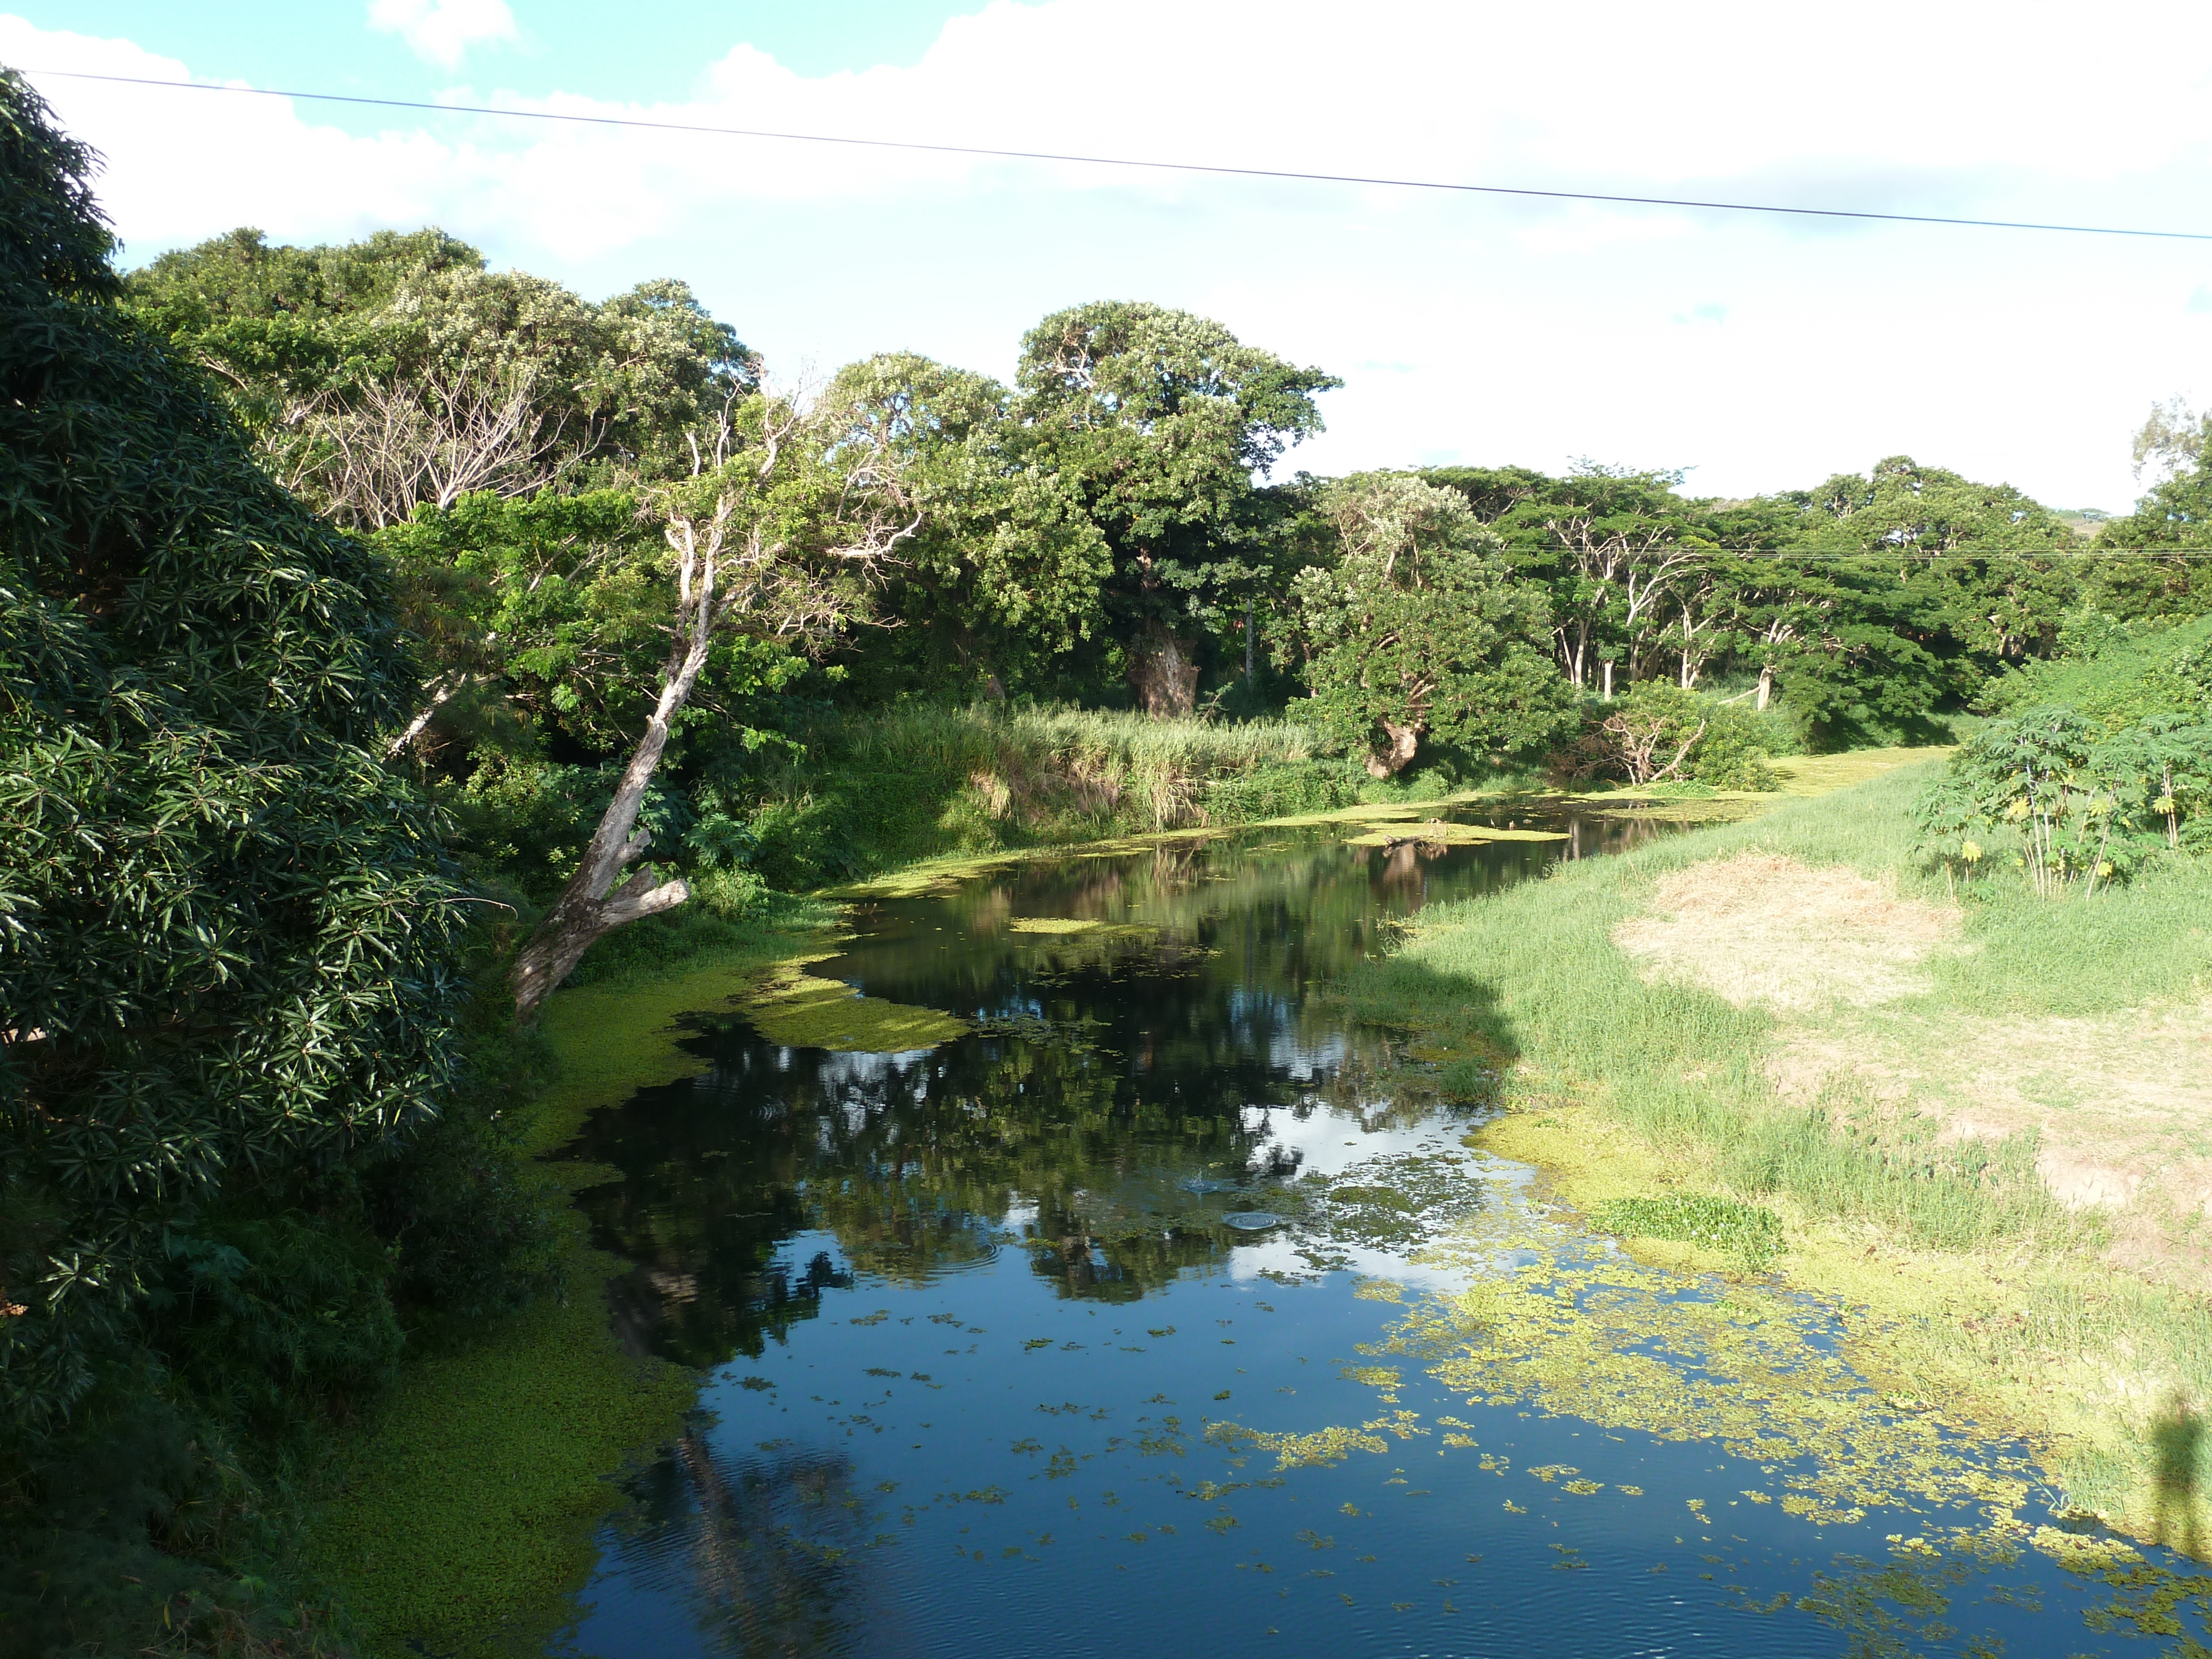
{"x":1981,"y":1285}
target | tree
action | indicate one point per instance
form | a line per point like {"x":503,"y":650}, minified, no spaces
{"x":788,"y":515}
{"x":2158,"y":560}
{"x":1620,"y":555}
{"x":227,"y":941}
{"x":1158,"y":421}
{"x":1006,"y":574}
{"x":1419,"y":630}
{"x":398,"y":370}
{"x":1979,"y":573}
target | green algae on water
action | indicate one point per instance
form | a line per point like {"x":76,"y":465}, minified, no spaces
{"x":793,"y":1007}
{"x":1439,"y":832}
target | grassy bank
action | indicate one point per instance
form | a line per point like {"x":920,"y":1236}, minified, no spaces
{"x":906,"y":785}
{"x":459,"y":1517}
{"x":1650,"y":1042}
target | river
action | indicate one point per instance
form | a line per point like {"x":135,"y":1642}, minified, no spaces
{"x":1166,"y":1311}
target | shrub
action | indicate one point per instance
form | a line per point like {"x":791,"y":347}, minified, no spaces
{"x":1658,"y":734}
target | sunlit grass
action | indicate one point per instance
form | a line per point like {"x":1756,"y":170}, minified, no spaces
{"x":2012,"y":1309}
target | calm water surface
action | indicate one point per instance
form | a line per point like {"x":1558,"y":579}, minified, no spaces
{"x":996,"y":1334}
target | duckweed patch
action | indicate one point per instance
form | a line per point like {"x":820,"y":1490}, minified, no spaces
{"x":1052,"y":924}
{"x":1749,"y":1232}
{"x":1761,"y":1373}
{"x":1440,"y":832}
{"x":462,"y":1517}
{"x":793,"y":1007}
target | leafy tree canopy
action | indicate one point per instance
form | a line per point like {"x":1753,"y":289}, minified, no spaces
{"x":398,"y":369}
{"x":1418,"y":630}
{"x":1005,"y":577}
{"x":1158,"y":421}
{"x":225,"y":938}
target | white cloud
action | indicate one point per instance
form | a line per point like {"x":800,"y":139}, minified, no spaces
{"x":441,"y":32}
{"x":1498,"y":328}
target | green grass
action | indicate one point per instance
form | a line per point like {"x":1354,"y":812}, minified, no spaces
{"x":1989,"y":1289}
{"x":1751,"y":1234}
{"x":922,"y":782}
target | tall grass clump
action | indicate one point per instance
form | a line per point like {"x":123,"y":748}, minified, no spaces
{"x":866,"y":793}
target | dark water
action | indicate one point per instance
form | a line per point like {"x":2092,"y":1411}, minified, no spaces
{"x":996,"y":1334}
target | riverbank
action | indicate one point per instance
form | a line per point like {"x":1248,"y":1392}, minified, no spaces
{"x":455,"y":1520}
{"x":1980,"y":1118}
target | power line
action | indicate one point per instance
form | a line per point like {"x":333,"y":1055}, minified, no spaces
{"x":1207,"y":168}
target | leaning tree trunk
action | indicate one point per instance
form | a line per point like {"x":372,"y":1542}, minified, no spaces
{"x":592,"y":906}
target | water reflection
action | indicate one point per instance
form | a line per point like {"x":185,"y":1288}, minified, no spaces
{"x":991,"y":1366}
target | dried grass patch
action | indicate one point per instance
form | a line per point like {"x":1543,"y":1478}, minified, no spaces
{"x":2119,"y":1106}
{"x":1763,"y":928}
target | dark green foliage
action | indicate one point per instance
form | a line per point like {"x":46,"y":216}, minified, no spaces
{"x":228,"y":941}
{"x":299,"y":337}
{"x":1871,"y":604}
{"x":1417,"y":630}
{"x":235,"y":1159}
{"x":2161,"y":562}
{"x":1155,"y":422}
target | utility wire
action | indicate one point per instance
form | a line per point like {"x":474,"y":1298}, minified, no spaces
{"x":1209,"y":168}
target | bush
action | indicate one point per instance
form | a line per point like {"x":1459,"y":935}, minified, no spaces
{"x":1658,"y":734}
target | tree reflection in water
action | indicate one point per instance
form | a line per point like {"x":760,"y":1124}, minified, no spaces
{"x":759,"y":1549}
{"x":1127,"y":1087}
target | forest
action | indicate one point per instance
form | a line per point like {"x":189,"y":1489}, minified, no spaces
{"x":387,"y":640}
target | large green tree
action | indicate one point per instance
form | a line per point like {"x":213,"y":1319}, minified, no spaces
{"x":2157,"y":562}
{"x":1417,"y":630}
{"x":400,"y":370}
{"x":1161,"y":424}
{"x":225,"y":937}
{"x":1005,"y":576}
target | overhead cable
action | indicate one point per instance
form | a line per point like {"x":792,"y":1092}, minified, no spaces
{"x":1214,"y":169}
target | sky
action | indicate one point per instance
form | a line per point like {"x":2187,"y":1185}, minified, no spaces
{"x":1755,"y":353}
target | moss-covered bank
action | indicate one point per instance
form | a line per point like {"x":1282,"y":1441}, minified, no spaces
{"x":458,"y":1520}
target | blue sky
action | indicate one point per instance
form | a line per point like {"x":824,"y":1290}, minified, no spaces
{"x":1761,"y":354}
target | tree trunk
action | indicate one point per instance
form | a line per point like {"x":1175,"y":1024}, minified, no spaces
{"x":1162,"y":672}
{"x":1766,"y":685}
{"x":1609,"y":682}
{"x":1404,"y":741}
{"x":591,"y":906}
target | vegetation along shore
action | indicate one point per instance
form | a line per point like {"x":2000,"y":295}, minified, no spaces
{"x":435,"y":707}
